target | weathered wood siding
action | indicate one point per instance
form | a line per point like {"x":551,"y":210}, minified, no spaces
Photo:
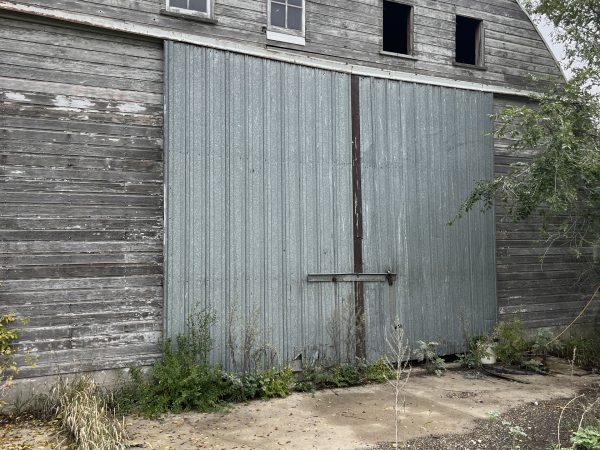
{"x":351,"y":31}
{"x":81,"y":216}
{"x":546,"y":293}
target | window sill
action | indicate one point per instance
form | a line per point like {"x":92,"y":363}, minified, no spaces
{"x":287,"y":38}
{"x":189,"y":16}
{"x":469,"y":66}
{"x":398,"y":55}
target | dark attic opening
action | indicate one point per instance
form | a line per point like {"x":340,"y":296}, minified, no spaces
{"x":397,"y":27}
{"x":468,"y":40}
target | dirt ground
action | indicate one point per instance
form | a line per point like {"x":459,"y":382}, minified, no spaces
{"x":363,"y":417}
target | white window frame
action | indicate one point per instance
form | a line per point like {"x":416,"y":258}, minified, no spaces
{"x":190,"y":12}
{"x":287,"y":35}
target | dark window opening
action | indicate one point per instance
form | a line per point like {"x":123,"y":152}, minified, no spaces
{"x":397,"y":27}
{"x":468,"y":40}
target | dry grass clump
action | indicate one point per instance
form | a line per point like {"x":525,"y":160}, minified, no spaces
{"x":86,"y":417}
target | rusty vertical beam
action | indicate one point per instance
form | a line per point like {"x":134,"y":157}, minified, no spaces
{"x":357,"y":219}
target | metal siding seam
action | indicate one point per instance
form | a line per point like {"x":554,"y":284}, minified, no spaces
{"x":226,"y":307}
{"x":166,"y":244}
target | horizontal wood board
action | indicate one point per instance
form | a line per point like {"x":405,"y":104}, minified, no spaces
{"x":351,"y":31}
{"x":81,"y":182}
{"x":538,"y":283}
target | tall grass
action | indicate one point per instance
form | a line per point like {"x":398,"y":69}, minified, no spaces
{"x":87,"y":420}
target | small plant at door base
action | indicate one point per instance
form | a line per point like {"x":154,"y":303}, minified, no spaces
{"x":477,"y":348}
{"x":427,"y":352}
{"x":272,"y":383}
{"x":248,"y":348}
{"x":511,"y":344}
{"x":377,"y":372}
{"x":399,"y":354}
{"x":584,"y":351}
{"x":183,"y":379}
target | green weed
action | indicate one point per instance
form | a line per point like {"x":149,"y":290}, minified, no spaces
{"x":585,"y":348}
{"x":477,"y":348}
{"x":427,"y":352}
{"x":511,"y":343}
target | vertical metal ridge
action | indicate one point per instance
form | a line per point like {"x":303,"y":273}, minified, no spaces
{"x":421,"y":172}
{"x":256,"y":184}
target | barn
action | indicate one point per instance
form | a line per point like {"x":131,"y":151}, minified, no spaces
{"x":290,"y":165}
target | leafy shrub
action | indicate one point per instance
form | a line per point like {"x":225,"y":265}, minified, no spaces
{"x":377,"y":372}
{"x":182,"y":380}
{"x":332,"y":376}
{"x":544,"y":344}
{"x":242,"y":387}
{"x":259,"y":384}
{"x":586,"y":439}
{"x":275,"y":383}
{"x":427,"y":352}
{"x":175,"y":385}
{"x":8,"y":365}
{"x":9,"y":334}
{"x":586,"y":350}
{"x":511,"y":344}
{"x":476,"y":350}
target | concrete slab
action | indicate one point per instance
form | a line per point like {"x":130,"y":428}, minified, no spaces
{"x":353,"y":418}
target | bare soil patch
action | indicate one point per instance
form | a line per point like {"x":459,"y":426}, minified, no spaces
{"x":448,"y":412}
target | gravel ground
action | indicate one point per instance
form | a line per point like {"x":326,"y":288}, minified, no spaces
{"x":538,"y":420}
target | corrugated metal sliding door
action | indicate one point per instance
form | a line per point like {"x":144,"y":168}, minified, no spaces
{"x":423,"y":148}
{"x":258,"y":195}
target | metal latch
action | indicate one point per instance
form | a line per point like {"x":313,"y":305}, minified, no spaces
{"x":388,"y":277}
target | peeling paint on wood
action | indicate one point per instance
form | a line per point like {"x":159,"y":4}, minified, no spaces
{"x":81,"y":186}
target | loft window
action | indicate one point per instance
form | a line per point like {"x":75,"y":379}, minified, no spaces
{"x":397,"y":27}
{"x":469,"y":41}
{"x":196,"y":7}
{"x":286,"y":21}
{"x":287,"y":14}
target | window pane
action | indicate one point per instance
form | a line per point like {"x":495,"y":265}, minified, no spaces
{"x":295,"y":2}
{"x":178,"y":3}
{"x":198,"y":5}
{"x":294,"y":18}
{"x":277,"y":15}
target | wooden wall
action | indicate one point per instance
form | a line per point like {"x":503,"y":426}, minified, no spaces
{"x":351,"y":31}
{"x":81,"y":216}
{"x":547,"y":292}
